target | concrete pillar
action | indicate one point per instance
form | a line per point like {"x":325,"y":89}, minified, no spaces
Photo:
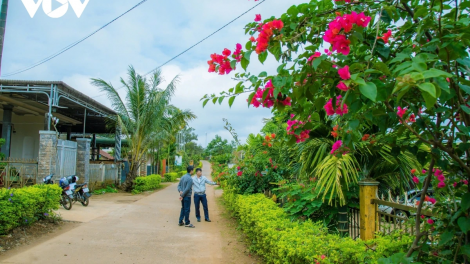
{"x":368,"y":211}
{"x":163,"y":168}
{"x":47,"y":159}
{"x":83,"y":159}
{"x":6,"y":129}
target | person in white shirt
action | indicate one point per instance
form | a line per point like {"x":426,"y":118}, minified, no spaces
{"x":199,"y":189}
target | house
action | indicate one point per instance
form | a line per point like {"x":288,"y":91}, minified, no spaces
{"x":53,"y":124}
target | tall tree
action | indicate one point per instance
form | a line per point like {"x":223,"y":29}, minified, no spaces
{"x":144,"y":113}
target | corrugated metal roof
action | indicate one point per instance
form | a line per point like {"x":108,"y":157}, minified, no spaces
{"x":63,"y":87}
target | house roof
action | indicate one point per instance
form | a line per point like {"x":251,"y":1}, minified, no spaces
{"x":69,"y":104}
{"x":106,"y":155}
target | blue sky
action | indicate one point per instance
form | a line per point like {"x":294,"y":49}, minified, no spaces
{"x":145,"y":38}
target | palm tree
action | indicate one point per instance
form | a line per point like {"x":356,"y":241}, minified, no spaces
{"x":3,"y":23}
{"x":144,"y":113}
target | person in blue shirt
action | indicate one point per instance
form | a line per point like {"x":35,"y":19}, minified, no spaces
{"x":184,"y":188}
{"x":199,"y":188}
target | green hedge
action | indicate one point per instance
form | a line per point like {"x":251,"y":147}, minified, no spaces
{"x":147,"y":183}
{"x":181,"y":173}
{"x":24,"y":206}
{"x":279,"y":240}
{"x":171,"y":177}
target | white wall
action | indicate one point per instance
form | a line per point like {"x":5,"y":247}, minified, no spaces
{"x":25,"y":142}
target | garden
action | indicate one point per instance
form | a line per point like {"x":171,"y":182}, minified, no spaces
{"x":364,"y":91}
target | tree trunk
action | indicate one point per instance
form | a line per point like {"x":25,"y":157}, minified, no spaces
{"x":130,"y":177}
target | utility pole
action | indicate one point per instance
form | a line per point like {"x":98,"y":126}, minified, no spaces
{"x":3,"y":23}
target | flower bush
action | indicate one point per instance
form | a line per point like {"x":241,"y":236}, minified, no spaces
{"x":147,"y":183}
{"x":398,"y":69}
{"x":277,"y":239}
{"x":19,"y":207}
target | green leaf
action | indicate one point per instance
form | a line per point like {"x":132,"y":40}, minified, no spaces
{"x":464,"y":224}
{"x":384,"y":51}
{"x":465,"y":250}
{"x":221,"y":99}
{"x":465,"y":88}
{"x":248,"y":45}
{"x":465,"y":108}
{"x":205,"y":102}
{"x":429,"y":100}
{"x":419,"y":66}
{"x":353,"y":124}
{"x":247,"y":55}
{"x":262,"y":56}
{"x":239,"y":88}
{"x":445,"y":238}
{"x":382,"y":67}
{"x":428,"y":88}
{"x":293,"y":11}
{"x":244,"y":63}
{"x":263,"y":74}
{"x":230,"y":101}
{"x":369,"y":90}
{"x":465,"y":202}
{"x":214,"y":100}
{"x":316,"y":62}
{"x":432,"y":73}
{"x":250,"y":98}
{"x":421,"y":11}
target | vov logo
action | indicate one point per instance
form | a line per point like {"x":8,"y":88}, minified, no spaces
{"x":78,"y":7}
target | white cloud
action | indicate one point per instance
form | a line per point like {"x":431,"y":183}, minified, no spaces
{"x":145,"y":38}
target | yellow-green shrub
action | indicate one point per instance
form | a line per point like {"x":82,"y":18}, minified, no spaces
{"x":147,"y":183}
{"x":181,"y":173}
{"x":26,"y":205}
{"x":279,"y":240}
{"x":171,"y":177}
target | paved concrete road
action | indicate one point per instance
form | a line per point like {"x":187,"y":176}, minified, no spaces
{"x":145,"y":231}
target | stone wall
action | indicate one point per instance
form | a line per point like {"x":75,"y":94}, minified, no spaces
{"x":47,"y":158}
{"x":83,"y":159}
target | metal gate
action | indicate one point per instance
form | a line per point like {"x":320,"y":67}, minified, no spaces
{"x":66,"y":158}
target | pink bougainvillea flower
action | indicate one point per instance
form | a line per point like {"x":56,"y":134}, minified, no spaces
{"x":328,"y":52}
{"x":258,"y":17}
{"x":441,"y":185}
{"x":238,"y":168}
{"x":432,"y":200}
{"x":455,"y":184}
{"x":430,"y":221}
{"x":252,"y":39}
{"x":423,"y":171}
{"x":465,"y":182}
{"x":226,"y":52}
{"x":315,"y":55}
{"x":344,"y":73}
{"x":323,"y":256}
{"x":329,"y":108}
{"x":338,"y":144}
{"x":401,"y":111}
{"x":415,"y":180}
{"x":386,"y":36}
{"x":240,"y":173}
{"x":411,"y":118}
{"x":441,"y":178}
{"x":342,"y":86}
{"x":422,"y":216}
{"x":362,"y":20}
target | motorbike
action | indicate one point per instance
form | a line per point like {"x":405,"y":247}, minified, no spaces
{"x":81,"y":193}
{"x":66,"y":197}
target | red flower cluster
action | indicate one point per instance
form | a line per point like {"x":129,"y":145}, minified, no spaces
{"x":257,"y":17}
{"x":334,"y":133}
{"x":386,"y":36}
{"x":266,"y":34}
{"x":221,"y":63}
{"x":292,"y":125}
{"x":344,"y":24}
{"x":330,"y":110}
{"x":268,"y":139}
{"x":402,"y":111}
{"x":269,"y":101}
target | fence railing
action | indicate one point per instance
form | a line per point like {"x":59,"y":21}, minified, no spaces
{"x":66,"y":158}
{"x":18,"y":172}
{"x":354,"y":222}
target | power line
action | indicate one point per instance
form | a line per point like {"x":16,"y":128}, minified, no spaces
{"x":73,"y":44}
{"x":244,"y":13}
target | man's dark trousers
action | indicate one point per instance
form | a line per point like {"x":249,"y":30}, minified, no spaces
{"x":185,"y":208}
{"x":201,"y":198}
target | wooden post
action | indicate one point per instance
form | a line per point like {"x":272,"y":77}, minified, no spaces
{"x":367,"y":191}
{"x":163,"y":168}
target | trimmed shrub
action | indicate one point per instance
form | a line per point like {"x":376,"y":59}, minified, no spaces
{"x":181,"y":173}
{"x":279,"y":240}
{"x":147,"y":183}
{"x":171,"y":177}
{"x":24,"y":206}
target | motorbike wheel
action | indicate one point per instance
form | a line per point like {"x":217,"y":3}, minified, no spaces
{"x":85,"y":201}
{"x":66,"y":202}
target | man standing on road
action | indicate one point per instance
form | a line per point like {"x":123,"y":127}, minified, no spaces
{"x":199,"y":188}
{"x":184,"y":188}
